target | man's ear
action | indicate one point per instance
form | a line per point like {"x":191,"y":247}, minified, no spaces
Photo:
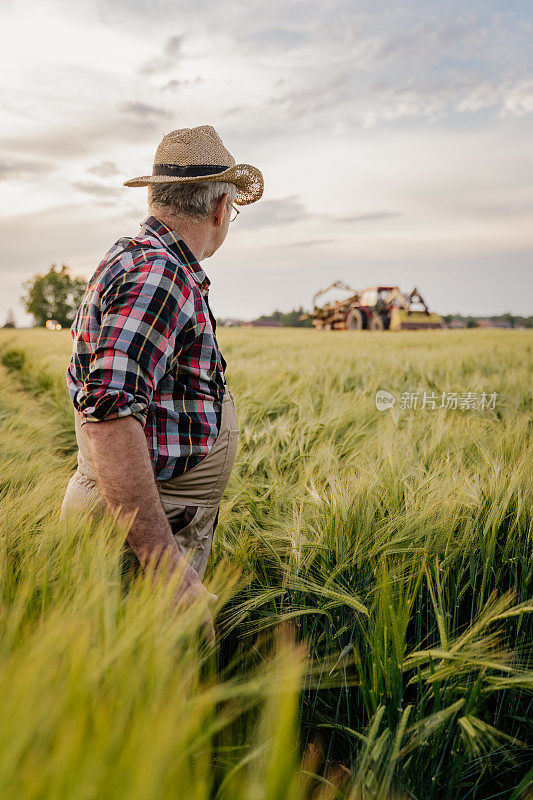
{"x":220,"y":210}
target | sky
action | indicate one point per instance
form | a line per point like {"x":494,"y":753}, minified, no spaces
{"x":395,"y":141}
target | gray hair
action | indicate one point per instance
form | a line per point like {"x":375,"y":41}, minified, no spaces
{"x":194,"y":199}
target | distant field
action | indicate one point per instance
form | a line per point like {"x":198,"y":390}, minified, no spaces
{"x":397,"y":544}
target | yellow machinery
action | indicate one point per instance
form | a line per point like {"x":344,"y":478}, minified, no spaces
{"x":377,"y":308}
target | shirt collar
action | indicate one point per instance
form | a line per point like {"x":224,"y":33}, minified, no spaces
{"x":172,"y":242}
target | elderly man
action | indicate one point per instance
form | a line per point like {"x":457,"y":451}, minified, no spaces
{"x":156,"y":424}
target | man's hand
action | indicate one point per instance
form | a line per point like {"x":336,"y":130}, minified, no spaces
{"x":192,"y":590}
{"x":123,"y":468}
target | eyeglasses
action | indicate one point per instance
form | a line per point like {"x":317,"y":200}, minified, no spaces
{"x":235,"y":212}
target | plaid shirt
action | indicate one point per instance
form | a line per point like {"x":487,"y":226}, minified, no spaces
{"x":144,"y":344}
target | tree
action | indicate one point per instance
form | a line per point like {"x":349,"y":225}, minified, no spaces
{"x":55,"y":295}
{"x":10,"y":320}
{"x":289,"y":319}
{"x":292,"y":319}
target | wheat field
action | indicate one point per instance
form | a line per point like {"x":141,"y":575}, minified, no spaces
{"x":373,"y":570}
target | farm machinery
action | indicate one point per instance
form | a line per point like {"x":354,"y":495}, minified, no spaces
{"x":377,"y":308}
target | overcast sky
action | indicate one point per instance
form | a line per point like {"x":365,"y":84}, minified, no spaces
{"x":395,"y":140}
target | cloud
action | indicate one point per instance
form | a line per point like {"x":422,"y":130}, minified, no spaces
{"x":235,"y":110}
{"x":291,"y":210}
{"x":518,"y":100}
{"x":143,"y":111}
{"x":273,"y":39}
{"x":88,"y":135}
{"x":405,"y":65}
{"x":168,"y":58}
{"x":351,"y":218}
{"x":15,"y":169}
{"x":431,"y":40}
{"x":310,"y":243}
{"x":285,"y":211}
{"x":175,"y":84}
{"x":97,"y":189}
{"x":388,"y":99}
{"x":317,"y":97}
{"x":105,"y":169}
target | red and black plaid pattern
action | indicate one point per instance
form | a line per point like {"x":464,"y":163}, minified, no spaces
{"x":144,"y":344}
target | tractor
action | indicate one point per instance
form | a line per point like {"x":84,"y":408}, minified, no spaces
{"x":377,"y":308}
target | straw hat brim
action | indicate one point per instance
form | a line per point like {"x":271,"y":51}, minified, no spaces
{"x":247,"y":179}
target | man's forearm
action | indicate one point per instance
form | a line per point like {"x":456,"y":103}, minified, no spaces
{"x":125,"y":476}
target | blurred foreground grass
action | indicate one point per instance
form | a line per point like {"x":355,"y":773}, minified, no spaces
{"x":396,"y":545}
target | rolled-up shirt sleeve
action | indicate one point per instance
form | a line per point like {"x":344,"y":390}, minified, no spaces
{"x":115,"y":387}
{"x":144,"y":316}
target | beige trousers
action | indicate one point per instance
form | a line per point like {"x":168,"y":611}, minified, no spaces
{"x":191,"y":501}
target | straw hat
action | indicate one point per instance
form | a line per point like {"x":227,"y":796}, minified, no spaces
{"x":197,"y":154}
